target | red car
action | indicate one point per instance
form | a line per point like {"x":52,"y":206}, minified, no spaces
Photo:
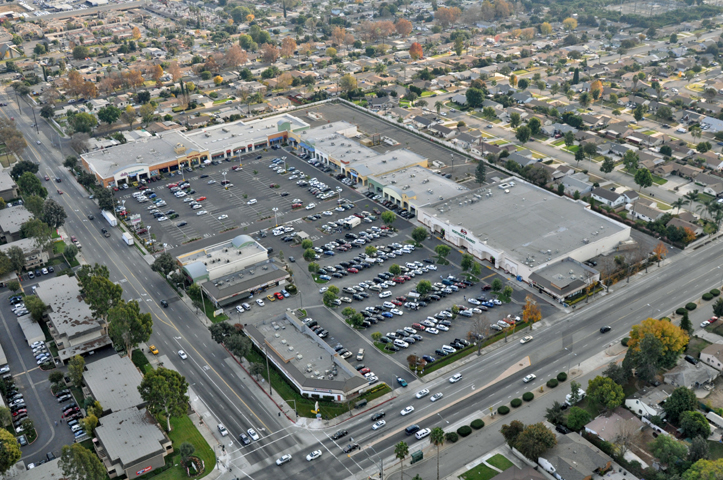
{"x":396,"y":302}
{"x":171,"y":185}
{"x":73,"y":238}
{"x":486,"y":288}
{"x":273,"y":185}
{"x":352,"y":270}
{"x":364,"y":371}
{"x":47,"y":178}
{"x":235,"y":167}
{"x":461,"y":285}
{"x":278,"y":295}
{"x":418,"y":326}
{"x":142,"y":187}
{"x":406,"y":278}
{"x":20,"y":412}
{"x":142,"y":231}
{"x":296,"y":205}
{"x":402,"y":298}
{"x":60,"y":192}
{"x":200,"y":199}
{"x":398,"y":280}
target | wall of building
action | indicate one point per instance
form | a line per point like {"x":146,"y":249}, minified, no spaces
{"x":141,"y":468}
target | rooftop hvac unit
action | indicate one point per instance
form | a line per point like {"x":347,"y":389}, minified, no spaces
{"x":291,"y":348}
{"x":585,"y":241}
{"x":299,"y":356}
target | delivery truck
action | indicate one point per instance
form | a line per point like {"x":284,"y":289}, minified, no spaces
{"x":128,"y":238}
{"x":110,"y":218}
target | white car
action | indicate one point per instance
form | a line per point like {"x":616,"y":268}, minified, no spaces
{"x":252,"y":201}
{"x":239,"y":309}
{"x":310,"y":206}
{"x":444,"y":328}
{"x":529,"y":378}
{"x":432,"y":267}
{"x":179,"y":194}
{"x":211,"y":182}
{"x":407,"y":410}
{"x":473,"y":301}
{"x":259,"y":302}
{"x":528,"y":338}
{"x":422,"y":393}
{"x":313,"y":455}
{"x":327,"y":213}
{"x":704,"y":324}
{"x":223,"y":430}
{"x":436,"y":396}
{"x":202,"y":212}
{"x":433,"y":331}
{"x":252,"y":433}
{"x":284,"y":459}
{"x":379,"y":425}
{"x":455,"y":378}
{"x":182,"y":354}
{"x":385,"y":294}
{"x":396,"y":311}
{"x":162,"y":219}
{"x":223,"y":217}
{"x":323,"y":289}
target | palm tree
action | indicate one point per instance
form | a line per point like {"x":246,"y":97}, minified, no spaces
{"x":380,"y":67}
{"x":437,"y":439}
{"x":691,"y":196}
{"x":438,"y":105}
{"x":696,"y":132}
{"x":705,"y":207}
{"x":401,"y":450}
{"x":679,"y":203}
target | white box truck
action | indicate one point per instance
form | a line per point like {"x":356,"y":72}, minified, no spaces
{"x":128,"y":238}
{"x":110,"y":218}
{"x":352,"y":222}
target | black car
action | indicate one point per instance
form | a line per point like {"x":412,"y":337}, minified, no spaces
{"x":181,"y":224}
{"x":351,"y":447}
{"x":441,"y":352}
{"x":377,"y":416}
{"x":244,"y":438}
{"x":164,"y":303}
{"x":339,"y":434}
{"x":605,"y":329}
{"x":563,"y":429}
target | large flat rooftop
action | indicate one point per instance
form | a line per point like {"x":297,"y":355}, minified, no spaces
{"x":225,"y":252}
{"x":68,"y":312}
{"x":148,"y":152}
{"x":255,"y":131}
{"x":114,"y":382}
{"x":420,"y":184}
{"x":130,"y":435}
{"x":524,"y":220}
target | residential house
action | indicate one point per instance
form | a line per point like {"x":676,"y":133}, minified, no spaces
{"x":522,"y":159}
{"x":648,"y":402}
{"x":713,"y":355}
{"x":681,"y":152}
{"x":687,"y":171}
{"x":574,"y":458}
{"x":680,"y":223}
{"x":644,"y":211}
{"x":491,"y":103}
{"x":594,"y":122}
{"x":588,"y":137}
{"x":557,"y":128}
{"x":8,"y":188}
{"x":711,"y":160}
{"x":639,"y":138}
{"x":34,"y":257}
{"x":617,"y":130}
{"x":663,"y":170}
{"x":381,"y":103}
{"x":459,"y":99}
{"x":613,"y":148}
{"x":465,"y":140}
{"x":442,"y":131}
{"x":713,"y":125}
{"x":691,"y":376}
{"x":423,"y":122}
{"x":11,"y":220}
{"x":522,"y":98}
{"x":578,"y":182}
{"x":607,"y":197}
{"x":711,"y":184}
{"x":608,"y":428}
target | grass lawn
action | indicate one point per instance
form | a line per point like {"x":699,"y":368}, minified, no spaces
{"x":183,"y":430}
{"x":716,"y":450}
{"x":659,"y":180}
{"x":453,"y":105}
{"x":572,"y":148}
{"x":559,"y":143}
{"x":649,"y":132}
{"x":220,"y":101}
{"x":58,"y":248}
{"x":319,"y":280}
{"x":538,"y":156}
{"x":695,"y":346}
{"x":500,"y":142}
{"x":480,"y":472}
{"x":427,"y":94}
{"x":381,"y":348}
{"x":520,"y":72}
{"x":704,"y":197}
{"x":139,"y":360}
{"x":500,"y":461}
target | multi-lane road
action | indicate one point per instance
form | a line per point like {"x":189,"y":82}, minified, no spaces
{"x":560,"y":341}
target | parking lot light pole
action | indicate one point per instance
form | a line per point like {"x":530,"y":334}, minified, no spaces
{"x":276,"y":219}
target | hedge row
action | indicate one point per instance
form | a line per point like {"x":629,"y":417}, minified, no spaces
{"x":707,"y":296}
{"x":451,"y":437}
{"x":561,"y":377}
{"x":503,"y":410}
{"x":625,"y":341}
{"x":528,"y":396}
{"x":477,"y":424}
{"x":552,"y":383}
{"x":516,"y":402}
{"x":464,"y":430}
{"x":680,"y":311}
{"x":715,"y":292}
{"x":691,"y":306}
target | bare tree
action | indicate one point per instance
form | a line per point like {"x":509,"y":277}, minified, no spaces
{"x":79,"y":142}
{"x":627,"y":435}
{"x":479,"y":330}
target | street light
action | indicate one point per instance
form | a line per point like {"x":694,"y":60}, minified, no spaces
{"x":569,"y":362}
{"x":276,"y":220}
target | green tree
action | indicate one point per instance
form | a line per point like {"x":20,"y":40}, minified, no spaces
{"x":306,"y":243}
{"x":467,"y":261}
{"x":631,"y":159}
{"x":686,"y":324}
{"x":34,"y":204}
{"x":512,"y":432}
{"x":496,"y":285}
{"x":534,"y":125}
{"x":53,"y":213}
{"x":523,"y":134}
{"x":309,"y":254}
{"x":569,"y":139}
{"x":694,"y":424}
{"x":388,"y":217}
{"x":313,"y":267}
{"x":83,"y":122}
{"x":10,"y":449}
{"x":17,"y":258}
{"x":370,"y":250}
{"x":329,"y":298}
{"x":395,"y":269}
{"x":164,"y":264}
{"x":579,"y":155}
{"x":23,"y":166}
{"x":704,"y":470}
{"x":698,"y":449}
{"x":555,"y":414}
{"x":668,"y":450}
{"x":29,"y":184}
{"x":109,"y":114}
{"x":643,"y":178}
{"x":101,"y":295}
{"x":6,"y":419}
{"x":401,"y":450}
{"x":219,"y":331}
{"x":506,"y":294}
{"x":165,"y":392}
{"x":514,"y":119}
{"x":535,"y":440}
{"x":442,"y":251}
{"x":424,"y":287}
{"x":475,"y":97}
{"x":480,"y":173}
{"x":437,"y":439}
{"x":13,"y":286}
{"x":78,"y":463}
{"x":127,"y":326}
{"x":89,"y":423}
{"x":574,"y":392}
{"x":638,"y":113}
{"x":681,"y":400}
{"x":47,"y":111}
{"x":605,"y":392}
{"x":80,"y":52}
{"x":36,"y":307}
{"x":186,"y":450}
{"x":76,"y":366}
{"x":238,"y":344}
{"x":577,"y":418}
{"x":608,"y":165}
{"x":419,"y":234}
{"x":717,"y":308}
{"x":105,"y":199}
{"x":70,"y":252}
{"x":617,"y":373}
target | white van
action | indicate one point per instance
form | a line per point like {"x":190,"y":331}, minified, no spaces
{"x":401,"y":343}
{"x":580,"y":392}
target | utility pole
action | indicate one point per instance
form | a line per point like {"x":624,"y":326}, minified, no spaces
{"x":268,"y":374}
